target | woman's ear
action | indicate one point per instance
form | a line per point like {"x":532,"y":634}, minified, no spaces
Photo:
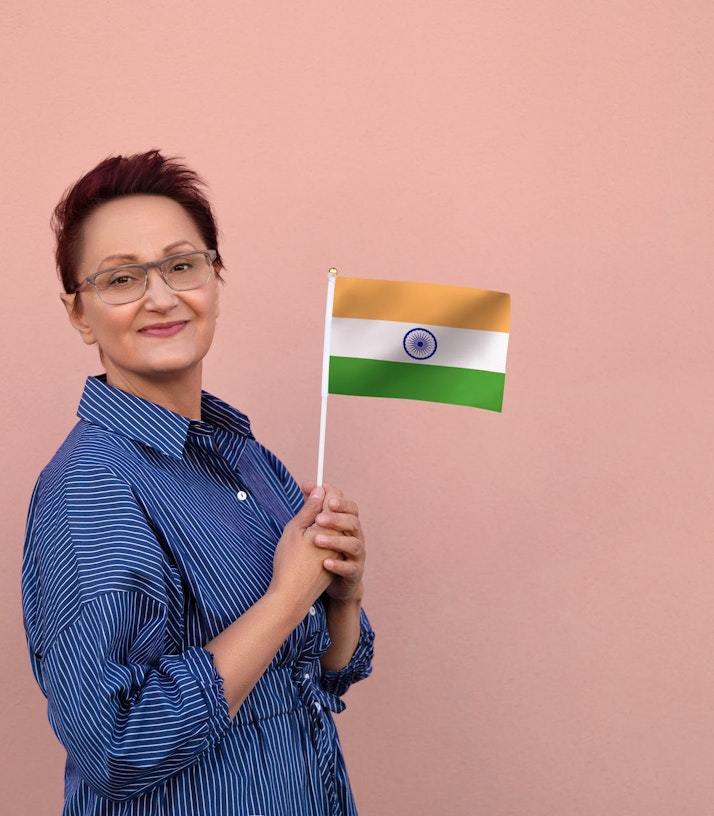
{"x":220,"y":282}
{"x":76,"y":317}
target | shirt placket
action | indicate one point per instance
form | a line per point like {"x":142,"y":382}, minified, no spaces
{"x":315,"y":699}
{"x":205,"y":438}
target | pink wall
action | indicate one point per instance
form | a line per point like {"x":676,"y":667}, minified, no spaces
{"x":541,"y":580}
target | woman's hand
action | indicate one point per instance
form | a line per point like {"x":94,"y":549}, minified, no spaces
{"x":299,"y":575}
{"x":340,"y":538}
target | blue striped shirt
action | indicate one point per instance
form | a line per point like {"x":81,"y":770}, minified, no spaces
{"x":148,"y":534}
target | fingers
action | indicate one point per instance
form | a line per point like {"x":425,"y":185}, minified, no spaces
{"x":338,"y":513}
{"x":334,"y":498}
{"x":308,"y":487}
{"x":343,"y":523}
{"x":336,"y":502}
{"x":347,"y":569}
{"x":338,"y":533}
{"x":308,"y":513}
{"x":344,"y":546}
{"x":351,"y":571}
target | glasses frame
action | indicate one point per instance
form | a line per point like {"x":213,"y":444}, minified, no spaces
{"x":90,"y":280}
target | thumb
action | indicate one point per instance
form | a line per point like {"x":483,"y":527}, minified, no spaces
{"x":306,"y":516}
{"x":307,"y":488}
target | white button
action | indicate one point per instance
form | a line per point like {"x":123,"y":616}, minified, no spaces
{"x":306,"y":676}
{"x":313,"y":611}
{"x":318,"y":707}
{"x":241,"y":495}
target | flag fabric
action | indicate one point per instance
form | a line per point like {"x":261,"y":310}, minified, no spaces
{"x":421,"y":341}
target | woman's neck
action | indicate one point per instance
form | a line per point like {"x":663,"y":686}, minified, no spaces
{"x":180,"y":393}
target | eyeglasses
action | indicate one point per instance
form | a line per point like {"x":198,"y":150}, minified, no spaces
{"x":125,"y":284}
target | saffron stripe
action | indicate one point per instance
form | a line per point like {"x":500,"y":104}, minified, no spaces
{"x":435,"y":304}
{"x":380,"y":378}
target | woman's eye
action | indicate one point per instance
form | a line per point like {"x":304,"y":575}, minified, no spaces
{"x":124,"y":278}
{"x":181,"y":266}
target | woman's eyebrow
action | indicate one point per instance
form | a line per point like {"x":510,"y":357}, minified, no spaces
{"x":129,"y":258}
{"x":118,"y":257}
{"x":176,"y":245}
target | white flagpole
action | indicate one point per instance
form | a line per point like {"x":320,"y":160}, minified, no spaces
{"x":331,"y":275}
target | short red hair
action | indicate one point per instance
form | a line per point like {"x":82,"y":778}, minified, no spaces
{"x":147,"y":173}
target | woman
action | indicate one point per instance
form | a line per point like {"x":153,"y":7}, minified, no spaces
{"x":192,"y":615}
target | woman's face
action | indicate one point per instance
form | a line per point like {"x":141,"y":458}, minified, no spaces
{"x":157,"y":342}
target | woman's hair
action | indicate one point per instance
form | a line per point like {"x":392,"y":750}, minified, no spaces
{"x":147,"y":173}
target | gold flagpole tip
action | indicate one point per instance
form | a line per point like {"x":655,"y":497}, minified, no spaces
{"x":333,"y":272}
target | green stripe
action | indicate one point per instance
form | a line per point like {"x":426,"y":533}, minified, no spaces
{"x":380,"y":378}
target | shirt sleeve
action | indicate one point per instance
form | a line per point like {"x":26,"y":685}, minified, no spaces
{"x":360,"y":665}
{"x":129,"y":721}
{"x":102,"y":610}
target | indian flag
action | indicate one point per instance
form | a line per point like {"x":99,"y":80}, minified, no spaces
{"x":421,"y":341}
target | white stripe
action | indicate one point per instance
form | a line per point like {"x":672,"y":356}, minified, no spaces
{"x":384,"y":340}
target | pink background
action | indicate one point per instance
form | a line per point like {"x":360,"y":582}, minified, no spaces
{"x":541,"y":580}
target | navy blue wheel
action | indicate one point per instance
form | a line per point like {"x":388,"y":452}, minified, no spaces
{"x":419,"y":343}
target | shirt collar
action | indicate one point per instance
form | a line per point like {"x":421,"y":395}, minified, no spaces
{"x":143,"y":421}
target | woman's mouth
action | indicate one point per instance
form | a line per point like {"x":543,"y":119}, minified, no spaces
{"x":163,"y":329}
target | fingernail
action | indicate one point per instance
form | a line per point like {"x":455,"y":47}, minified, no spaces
{"x":317,"y":493}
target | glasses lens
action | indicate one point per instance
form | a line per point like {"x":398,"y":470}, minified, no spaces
{"x":187,"y":271}
{"x":121,"y":285}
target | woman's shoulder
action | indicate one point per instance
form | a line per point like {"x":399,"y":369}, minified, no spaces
{"x":85,"y":515}
{"x":87,"y":449}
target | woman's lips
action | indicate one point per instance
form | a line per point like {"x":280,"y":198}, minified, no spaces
{"x":163,"y":329}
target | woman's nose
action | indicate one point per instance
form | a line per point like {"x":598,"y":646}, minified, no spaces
{"x":159,"y":295}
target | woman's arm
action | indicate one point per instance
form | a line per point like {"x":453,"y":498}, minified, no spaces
{"x":243,"y":651}
{"x":343,"y":623}
{"x":99,"y":633}
{"x":321,"y":550}
{"x":99,"y":599}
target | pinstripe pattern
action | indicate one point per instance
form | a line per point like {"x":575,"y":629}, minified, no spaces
{"x":147,"y":535}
